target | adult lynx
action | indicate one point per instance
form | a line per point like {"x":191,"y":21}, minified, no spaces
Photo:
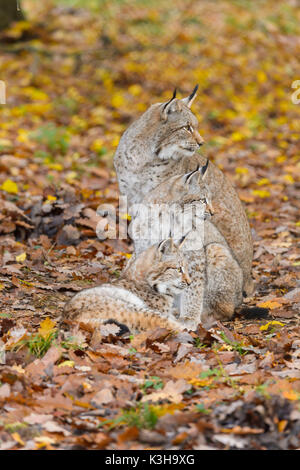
{"x":161,"y":144}
{"x":150,"y":149}
{"x":143,"y":297}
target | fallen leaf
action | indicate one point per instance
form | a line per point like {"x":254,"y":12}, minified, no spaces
{"x":103,"y":397}
{"x":172,"y":391}
{"x":10,"y":187}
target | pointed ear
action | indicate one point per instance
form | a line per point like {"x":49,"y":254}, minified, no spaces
{"x":188,"y":176}
{"x":182,"y":241}
{"x":203,"y":169}
{"x":167,"y":107}
{"x":165,"y":246}
{"x":188,"y":101}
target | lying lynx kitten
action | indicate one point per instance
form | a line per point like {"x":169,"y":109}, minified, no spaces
{"x":142,"y":298}
{"x":161,"y":144}
{"x":217,"y":279}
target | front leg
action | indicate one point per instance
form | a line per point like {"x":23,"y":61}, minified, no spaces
{"x":192,"y":298}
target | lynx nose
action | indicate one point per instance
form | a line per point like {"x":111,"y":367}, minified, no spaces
{"x":186,"y":278}
{"x":198,"y":138}
{"x":210,"y":209}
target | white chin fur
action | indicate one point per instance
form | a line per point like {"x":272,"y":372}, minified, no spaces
{"x":167,"y":289}
{"x":162,"y":288}
{"x":172,"y":152}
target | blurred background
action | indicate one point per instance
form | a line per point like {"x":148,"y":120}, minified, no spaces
{"x":78,"y":72}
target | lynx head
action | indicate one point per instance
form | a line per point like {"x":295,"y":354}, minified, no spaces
{"x":177,"y":135}
{"x":162,"y":267}
{"x":193,"y":188}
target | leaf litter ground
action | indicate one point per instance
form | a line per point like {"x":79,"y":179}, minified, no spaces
{"x":75,"y":80}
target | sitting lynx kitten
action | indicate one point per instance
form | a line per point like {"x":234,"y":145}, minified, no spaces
{"x":173,"y":207}
{"x":143,"y":297}
{"x":217,"y":279}
{"x":161,"y":144}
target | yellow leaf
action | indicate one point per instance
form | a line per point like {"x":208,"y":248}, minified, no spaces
{"x":261,"y":76}
{"x":263,"y":181}
{"x":241,"y":170}
{"x":141,"y":107}
{"x":79,"y":123}
{"x":50,"y":199}
{"x":135,"y":90}
{"x":10,"y":187}
{"x":282,"y":425}
{"x":270,"y":323}
{"x":82,"y":404}
{"x":67,"y":364}
{"x":237,"y":136}
{"x":46,"y":327}
{"x":261,"y":193}
{"x":289,"y":179}
{"x":44,"y":441}
{"x":206,"y":382}
{"x":71,"y":176}
{"x":115,"y":141}
{"x":21,"y":258}
{"x":17,"y":438}
{"x":97,"y":145}
{"x":168,"y":408}
{"x":117,"y":100}
{"x":55,"y":166}
{"x":291,"y":395}
{"x":35,"y":94}
{"x":17,"y":28}
{"x":271,"y":304}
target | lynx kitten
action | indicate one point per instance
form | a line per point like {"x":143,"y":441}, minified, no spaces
{"x":143,"y":297}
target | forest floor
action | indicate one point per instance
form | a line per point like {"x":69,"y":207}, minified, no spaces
{"x":75,"y":79}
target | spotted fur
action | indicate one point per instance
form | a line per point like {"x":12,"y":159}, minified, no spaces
{"x":142,"y":298}
{"x":216,"y":277}
{"x":162,"y":144}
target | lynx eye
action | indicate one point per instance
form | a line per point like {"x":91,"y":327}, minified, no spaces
{"x":180,"y":270}
{"x":189,"y":128}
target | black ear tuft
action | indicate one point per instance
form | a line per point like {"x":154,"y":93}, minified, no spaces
{"x":182,"y":240}
{"x":204,"y":168}
{"x":165,"y":245}
{"x":173,"y":98}
{"x":189,"y":175}
{"x":193,"y":92}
